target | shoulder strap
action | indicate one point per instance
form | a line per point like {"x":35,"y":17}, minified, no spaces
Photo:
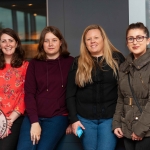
{"x":133,"y":94}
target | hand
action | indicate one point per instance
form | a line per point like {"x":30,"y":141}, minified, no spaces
{"x":35,"y":132}
{"x":75,"y":126}
{"x":69,"y":129}
{"x":135,"y":137}
{"x":118,"y":132}
{"x":7,"y":132}
{"x":9,"y":122}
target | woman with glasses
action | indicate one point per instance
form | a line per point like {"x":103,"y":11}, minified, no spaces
{"x":132,"y":117}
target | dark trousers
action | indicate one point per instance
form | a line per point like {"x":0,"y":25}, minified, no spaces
{"x":10,"y":142}
{"x":144,"y":144}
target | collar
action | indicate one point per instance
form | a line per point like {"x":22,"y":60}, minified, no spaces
{"x":137,"y":63}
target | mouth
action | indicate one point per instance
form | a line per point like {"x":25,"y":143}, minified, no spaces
{"x":135,"y":47}
{"x":93,"y":46}
{"x":50,"y":47}
{"x":8,"y":49}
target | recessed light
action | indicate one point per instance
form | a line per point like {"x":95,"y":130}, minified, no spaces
{"x":34,"y":14}
{"x":30,"y":4}
{"x":13,"y":5}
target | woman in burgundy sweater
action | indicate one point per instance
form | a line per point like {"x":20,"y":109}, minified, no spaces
{"x":45,"y":89}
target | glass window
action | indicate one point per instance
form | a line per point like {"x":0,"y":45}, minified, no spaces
{"x":21,"y":24}
{"x":27,"y":19}
{"x":5,"y":21}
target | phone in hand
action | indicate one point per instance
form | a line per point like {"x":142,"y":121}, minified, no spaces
{"x":79,"y":131}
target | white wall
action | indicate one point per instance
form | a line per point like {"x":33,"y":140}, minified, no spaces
{"x":137,"y":11}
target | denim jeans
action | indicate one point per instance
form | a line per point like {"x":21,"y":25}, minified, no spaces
{"x":98,"y":134}
{"x":52,"y":131}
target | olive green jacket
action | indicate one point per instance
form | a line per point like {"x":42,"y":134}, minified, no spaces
{"x":127,"y":115}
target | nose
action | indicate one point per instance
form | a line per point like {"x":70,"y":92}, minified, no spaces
{"x":50,"y":43}
{"x":134,"y":41}
{"x":7,"y":43}
{"x":92,"y":40}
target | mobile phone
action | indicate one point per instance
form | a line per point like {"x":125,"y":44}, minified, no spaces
{"x":79,"y":131}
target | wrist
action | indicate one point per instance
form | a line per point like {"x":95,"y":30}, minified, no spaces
{"x":35,"y":123}
{"x":17,"y":112}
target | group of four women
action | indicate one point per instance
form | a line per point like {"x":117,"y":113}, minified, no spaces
{"x":55,"y":90}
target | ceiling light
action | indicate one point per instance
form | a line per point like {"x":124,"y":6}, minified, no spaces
{"x":13,"y":5}
{"x":30,"y":4}
{"x":34,"y":14}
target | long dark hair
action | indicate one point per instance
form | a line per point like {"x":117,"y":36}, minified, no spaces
{"x":63,"y":48}
{"x":19,"y":54}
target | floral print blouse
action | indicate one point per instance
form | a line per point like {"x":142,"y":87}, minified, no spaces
{"x":12,"y":89}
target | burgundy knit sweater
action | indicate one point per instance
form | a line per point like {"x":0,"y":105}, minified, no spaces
{"x":45,"y":87}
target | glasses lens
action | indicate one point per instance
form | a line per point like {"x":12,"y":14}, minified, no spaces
{"x":139,"y":38}
{"x":130,"y":39}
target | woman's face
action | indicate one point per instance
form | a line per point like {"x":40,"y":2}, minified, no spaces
{"x":137,"y":42}
{"x":8,"y":45}
{"x":94,"y":42}
{"x":51,"y":45}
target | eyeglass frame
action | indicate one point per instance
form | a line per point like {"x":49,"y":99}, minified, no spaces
{"x":136,"y":38}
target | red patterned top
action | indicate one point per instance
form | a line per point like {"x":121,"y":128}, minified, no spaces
{"x":12,"y":89}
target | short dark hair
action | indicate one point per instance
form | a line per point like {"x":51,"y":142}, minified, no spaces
{"x":138,"y":25}
{"x":63,"y":48}
{"x":19,"y":54}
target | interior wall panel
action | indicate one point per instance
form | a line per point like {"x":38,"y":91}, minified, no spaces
{"x":72,"y":16}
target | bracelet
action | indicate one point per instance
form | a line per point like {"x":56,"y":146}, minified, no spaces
{"x":17,"y":112}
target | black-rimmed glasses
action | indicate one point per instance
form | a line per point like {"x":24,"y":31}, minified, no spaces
{"x":138,"y":39}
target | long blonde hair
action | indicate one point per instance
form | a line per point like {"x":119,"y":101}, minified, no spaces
{"x":85,"y":60}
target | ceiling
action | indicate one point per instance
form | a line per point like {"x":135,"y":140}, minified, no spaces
{"x":38,"y":7}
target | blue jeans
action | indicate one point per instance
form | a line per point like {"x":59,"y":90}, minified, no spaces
{"x":98,"y":134}
{"x":52,"y":131}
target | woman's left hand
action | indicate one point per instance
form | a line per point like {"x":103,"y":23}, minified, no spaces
{"x":135,"y":137}
{"x":9,"y":122}
{"x":69,"y":129}
{"x":7,"y":132}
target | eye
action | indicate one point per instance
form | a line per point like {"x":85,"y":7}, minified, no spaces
{"x":54,"y":40}
{"x":45,"y":40}
{"x":130,"y":38}
{"x":2,"y":41}
{"x":139,"y":37}
{"x":11,"y":40}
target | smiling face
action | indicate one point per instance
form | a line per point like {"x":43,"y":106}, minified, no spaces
{"x":94,"y":42}
{"x":137,"y":48}
{"x":8,"y":45}
{"x":51,"y":45}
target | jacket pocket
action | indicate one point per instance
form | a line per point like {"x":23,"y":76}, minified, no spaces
{"x":126,"y":124}
{"x":130,"y":119}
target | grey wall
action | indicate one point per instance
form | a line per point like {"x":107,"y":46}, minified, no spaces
{"x":72,"y":16}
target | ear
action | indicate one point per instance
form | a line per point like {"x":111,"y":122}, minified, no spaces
{"x":148,"y":41}
{"x":16,"y":44}
{"x":60,"y":42}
